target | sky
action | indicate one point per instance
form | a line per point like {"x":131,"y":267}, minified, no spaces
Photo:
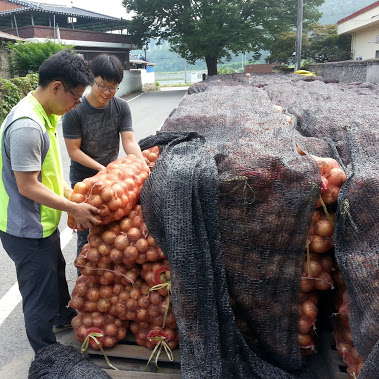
{"x":112,"y":8}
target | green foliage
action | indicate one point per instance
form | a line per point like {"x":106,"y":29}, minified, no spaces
{"x":320,"y":43}
{"x":25,"y":58}
{"x":13,"y":90}
{"x":212,"y":30}
{"x":325,"y":45}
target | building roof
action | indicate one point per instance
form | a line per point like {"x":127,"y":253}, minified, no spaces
{"x":357,"y":13}
{"x":57,"y":9}
{"x":25,"y":8}
{"x":10,"y":37}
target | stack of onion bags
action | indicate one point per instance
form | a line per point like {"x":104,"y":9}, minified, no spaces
{"x":125,"y":276}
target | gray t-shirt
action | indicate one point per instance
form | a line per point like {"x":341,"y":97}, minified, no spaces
{"x":99,"y":130}
{"x":23,"y":143}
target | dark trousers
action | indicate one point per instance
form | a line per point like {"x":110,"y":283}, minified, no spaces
{"x":41,"y":275}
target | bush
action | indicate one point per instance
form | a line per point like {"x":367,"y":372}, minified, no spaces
{"x":25,"y":58}
{"x":13,"y":90}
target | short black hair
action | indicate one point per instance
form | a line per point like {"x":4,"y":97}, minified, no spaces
{"x":66,"y":66}
{"x":109,"y":67}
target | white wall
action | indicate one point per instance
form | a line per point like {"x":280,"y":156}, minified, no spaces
{"x":131,"y":83}
{"x":147,"y":77}
{"x":361,"y":45}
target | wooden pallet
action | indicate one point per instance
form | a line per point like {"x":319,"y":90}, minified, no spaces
{"x":130,"y":359}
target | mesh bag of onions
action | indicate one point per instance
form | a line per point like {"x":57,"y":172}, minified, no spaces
{"x":230,"y":202}
{"x":114,"y":190}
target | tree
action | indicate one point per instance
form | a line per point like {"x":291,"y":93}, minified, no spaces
{"x":325,"y":45}
{"x":214,"y":29}
{"x":25,"y":58}
{"x":321,"y":43}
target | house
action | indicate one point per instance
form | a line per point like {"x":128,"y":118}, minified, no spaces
{"x":363,"y":26}
{"x":90,"y":33}
{"x":4,"y":38}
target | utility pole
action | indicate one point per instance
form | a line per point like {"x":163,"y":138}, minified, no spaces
{"x":299,"y":34}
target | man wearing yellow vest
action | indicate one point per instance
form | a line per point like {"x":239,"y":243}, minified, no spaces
{"x":32,"y":194}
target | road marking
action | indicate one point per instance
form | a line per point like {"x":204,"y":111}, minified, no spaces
{"x":13,"y":297}
{"x":128,"y":101}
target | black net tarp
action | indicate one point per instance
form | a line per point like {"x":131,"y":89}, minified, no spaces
{"x":63,"y":362}
{"x":230,"y":202}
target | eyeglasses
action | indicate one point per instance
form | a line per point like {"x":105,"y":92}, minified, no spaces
{"x":103,"y":88}
{"x":78,"y":100}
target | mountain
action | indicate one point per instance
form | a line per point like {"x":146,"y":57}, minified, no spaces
{"x":335,"y":10}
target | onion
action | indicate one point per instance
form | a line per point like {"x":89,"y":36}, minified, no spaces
{"x":103,"y":305}
{"x":95,"y":200}
{"x":106,"y":292}
{"x":324,"y":281}
{"x":324,"y":227}
{"x":90,"y":306}
{"x":108,"y":237}
{"x":77,"y":197}
{"x":114,"y":204}
{"x":109,"y":341}
{"x":314,"y":268}
{"x":305,"y":326}
{"x":320,"y":244}
{"x":125,"y":224}
{"x":330,"y":195}
{"x":309,"y":310}
{"x":116,"y":255}
{"x":76,"y":302}
{"x":130,"y":255}
{"x":107,"y":194}
{"x":111,"y":330}
{"x":135,"y":293}
{"x":337,"y":177}
{"x":81,"y":188}
{"x":152,"y":157}
{"x":134,"y":234}
{"x":93,"y":254}
{"x":305,"y":340}
{"x":93,"y":294}
{"x":142,"y":245}
{"x":121,"y":242}
{"x":104,"y":249}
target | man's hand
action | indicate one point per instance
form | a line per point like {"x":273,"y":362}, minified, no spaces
{"x":85,"y":215}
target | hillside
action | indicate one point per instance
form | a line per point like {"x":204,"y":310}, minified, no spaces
{"x":334,"y":10}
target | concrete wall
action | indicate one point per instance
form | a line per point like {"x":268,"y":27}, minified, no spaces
{"x":349,"y":71}
{"x":131,"y":83}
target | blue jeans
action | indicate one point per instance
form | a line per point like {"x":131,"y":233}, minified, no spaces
{"x":41,"y":275}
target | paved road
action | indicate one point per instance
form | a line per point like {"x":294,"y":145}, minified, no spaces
{"x":149,"y":111}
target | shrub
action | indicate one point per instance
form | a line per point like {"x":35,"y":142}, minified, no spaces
{"x":13,"y":90}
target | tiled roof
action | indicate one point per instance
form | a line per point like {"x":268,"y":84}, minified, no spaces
{"x":57,"y":9}
{"x":10,"y":37}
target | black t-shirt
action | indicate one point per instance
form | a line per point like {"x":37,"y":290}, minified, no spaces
{"x":99,"y":130}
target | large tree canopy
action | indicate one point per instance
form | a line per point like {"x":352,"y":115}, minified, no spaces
{"x":213,"y":29}
{"x":321,"y":43}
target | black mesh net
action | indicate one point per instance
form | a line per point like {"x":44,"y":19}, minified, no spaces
{"x":230,"y":202}
{"x":58,"y":361}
